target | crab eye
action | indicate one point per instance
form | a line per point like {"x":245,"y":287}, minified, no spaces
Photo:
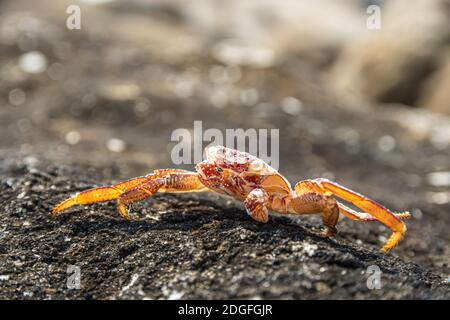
{"x":219,"y":170}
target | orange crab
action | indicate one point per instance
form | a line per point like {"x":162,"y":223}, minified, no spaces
{"x":258,"y":185}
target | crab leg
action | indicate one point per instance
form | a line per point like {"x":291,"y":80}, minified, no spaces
{"x":375,"y":209}
{"x":256,"y":205}
{"x":174,"y":182}
{"x":138,"y":194}
{"x":364,"y":216}
{"x":102,"y":194}
{"x":306,"y":186}
{"x":313,"y":202}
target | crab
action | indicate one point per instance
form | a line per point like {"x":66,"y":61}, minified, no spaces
{"x":259,"y":186}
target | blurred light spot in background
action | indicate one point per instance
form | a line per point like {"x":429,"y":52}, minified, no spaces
{"x":115,"y":145}
{"x":17,"y":97}
{"x":291,"y":105}
{"x":234,"y":52}
{"x":440,"y":139}
{"x":218,"y":74}
{"x":439,"y":178}
{"x":183,"y":88}
{"x":73,"y":137}
{"x":121,"y":91}
{"x":33,"y":62}
{"x":56,"y":71}
{"x":438,"y":197}
{"x":219,"y":98}
{"x":89,"y":100}
{"x":314,"y":126}
{"x":348,"y":135}
{"x":249,"y":97}
{"x":30,"y":161}
{"x":24,"y":125}
{"x":141,"y":106}
{"x":417,"y":213}
{"x":386,"y":143}
{"x":221,"y":75}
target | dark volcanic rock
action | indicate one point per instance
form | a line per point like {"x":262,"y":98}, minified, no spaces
{"x":183,"y":246}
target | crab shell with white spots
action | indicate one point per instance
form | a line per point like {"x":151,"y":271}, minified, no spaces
{"x":236,"y":173}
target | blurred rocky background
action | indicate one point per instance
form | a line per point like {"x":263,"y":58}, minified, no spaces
{"x":369,"y":108}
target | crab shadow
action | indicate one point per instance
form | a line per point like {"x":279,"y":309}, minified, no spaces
{"x":193,"y":214}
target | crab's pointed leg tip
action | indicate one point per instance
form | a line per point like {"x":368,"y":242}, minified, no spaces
{"x":329,"y":232}
{"x":406,"y":215}
{"x":55,"y":211}
{"x":64,"y":205}
{"x":123,"y":211}
{"x":394,"y":240}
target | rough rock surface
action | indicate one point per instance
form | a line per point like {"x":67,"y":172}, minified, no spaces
{"x":183,"y":246}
